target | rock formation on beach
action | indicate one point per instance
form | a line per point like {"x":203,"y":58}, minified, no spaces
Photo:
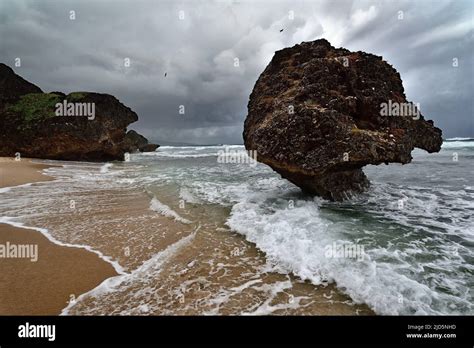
{"x":318,"y":114}
{"x":138,"y":142}
{"x":32,"y":126}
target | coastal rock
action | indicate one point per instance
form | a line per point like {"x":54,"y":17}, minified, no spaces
{"x":31,"y":126}
{"x":12,"y":86}
{"x":138,"y":142}
{"x":317,"y":115}
{"x":148,"y":148}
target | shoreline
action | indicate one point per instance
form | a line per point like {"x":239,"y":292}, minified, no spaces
{"x":20,"y":173}
{"x":45,"y":286}
{"x":72,"y":271}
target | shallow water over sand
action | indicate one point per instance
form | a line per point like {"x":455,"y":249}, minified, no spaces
{"x":192,"y":235}
{"x":173,"y":258}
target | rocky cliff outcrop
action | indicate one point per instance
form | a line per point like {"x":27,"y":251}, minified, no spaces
{"x":137,"y":142}
{"x":12,"y":86}
{"x":318,"y":114}
{"x":87,"y":126}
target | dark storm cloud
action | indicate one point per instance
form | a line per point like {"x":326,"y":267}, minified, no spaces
{"x":198,"y":54}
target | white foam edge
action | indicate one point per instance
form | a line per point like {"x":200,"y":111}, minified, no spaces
{"x":8,"y":188}
{"x":105,"y":168}
{"x":166,"y":211}
{"x":10,"y":221}
{"x":156,"y":260}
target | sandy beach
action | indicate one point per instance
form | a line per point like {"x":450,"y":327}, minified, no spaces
{"x":113,"y":220}
{"x":60,"y":273}
{"x":14,"y":173}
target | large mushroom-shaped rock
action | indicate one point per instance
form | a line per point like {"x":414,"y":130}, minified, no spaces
{"x":318,"y":114}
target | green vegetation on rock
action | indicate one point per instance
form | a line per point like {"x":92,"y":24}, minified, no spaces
{"x":35,"y":107}
{"x":75,"y":96}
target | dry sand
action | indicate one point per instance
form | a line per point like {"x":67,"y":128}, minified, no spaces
{"x":61,"y":273}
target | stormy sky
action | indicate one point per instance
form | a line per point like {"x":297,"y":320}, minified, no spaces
{"x":196,"y":44}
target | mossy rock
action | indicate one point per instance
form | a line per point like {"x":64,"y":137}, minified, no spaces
{"x":35,"y":107}
{"x":75,"y":96}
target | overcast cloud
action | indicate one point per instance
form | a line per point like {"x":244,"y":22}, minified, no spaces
{"x":198,"y":54}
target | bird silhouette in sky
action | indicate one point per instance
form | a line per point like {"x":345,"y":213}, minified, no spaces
{"x":281,"y":30}
{"x":166,"y":74}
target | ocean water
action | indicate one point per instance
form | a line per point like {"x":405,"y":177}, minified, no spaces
{"x":412,"y":232}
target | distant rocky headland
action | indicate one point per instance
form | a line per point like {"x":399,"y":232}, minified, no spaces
{"x":80,"y":126}
{"x":318,"y":114}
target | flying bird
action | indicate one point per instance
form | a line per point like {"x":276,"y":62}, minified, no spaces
{"x":281,"y":30}
{"x":166,"y":74}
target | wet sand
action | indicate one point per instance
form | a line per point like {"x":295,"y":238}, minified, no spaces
{"x":60,"y":274}
{"x":14,"y":173}
{"x":204,"y":275}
